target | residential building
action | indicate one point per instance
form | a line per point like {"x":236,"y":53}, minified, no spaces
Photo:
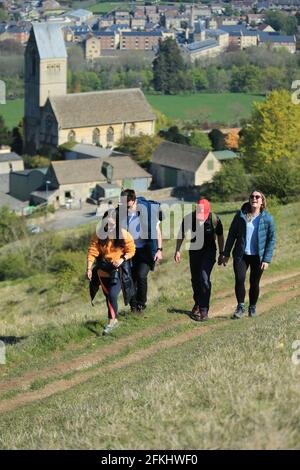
{"x":140,"y":40}
{"x":181,"y":165}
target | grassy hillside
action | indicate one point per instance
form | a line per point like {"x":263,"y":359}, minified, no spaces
{"x":225,"y":108}
{"x":174,"y":383}
{"x":12,"y":112}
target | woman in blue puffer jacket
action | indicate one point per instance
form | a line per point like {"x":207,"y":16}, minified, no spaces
{"x":252,"y":232}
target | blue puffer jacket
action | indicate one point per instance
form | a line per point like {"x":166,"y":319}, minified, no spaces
{"x":237,"y":235}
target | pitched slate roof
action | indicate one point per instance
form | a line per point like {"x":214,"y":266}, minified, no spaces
{"x":201,"y":45}
{"x":49,"y":40}
{"x":9,"y":157}
{"x":89,"y":170}
{"x":274,"y":37}
{"x":181,"y":157}
{"x":100,"y":108}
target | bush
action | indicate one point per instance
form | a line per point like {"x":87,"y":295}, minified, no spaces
{"x":281,"y":179}
{"x":15,"y":266}
{"x":230,"y":183}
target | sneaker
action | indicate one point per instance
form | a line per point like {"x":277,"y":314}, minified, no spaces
{"x":252,"y":311}
{"x":140,"y":308}
{"x":108,"y":328}
{"x":239,"y":312}
{"x":195,"y":309}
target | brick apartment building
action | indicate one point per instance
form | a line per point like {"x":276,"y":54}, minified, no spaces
{"x":139,"y":40}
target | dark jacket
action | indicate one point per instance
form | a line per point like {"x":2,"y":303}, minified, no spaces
{"x":150,"y":214}
{"x":237,"y":236}
{"x":124,"y":272}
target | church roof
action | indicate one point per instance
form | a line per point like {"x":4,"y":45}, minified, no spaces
{"x":49,"y":40}
{"x":101,"y":108}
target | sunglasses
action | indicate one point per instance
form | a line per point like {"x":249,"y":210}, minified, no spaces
{"x":253,"y":196}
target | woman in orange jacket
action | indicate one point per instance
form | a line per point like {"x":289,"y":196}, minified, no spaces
{"x":111,"y":246}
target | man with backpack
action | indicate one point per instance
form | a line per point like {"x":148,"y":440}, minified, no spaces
{"x":205,"y":227}
{"x":143,"y":223}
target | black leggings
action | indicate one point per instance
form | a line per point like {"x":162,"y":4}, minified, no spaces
{"x":240,"y":268}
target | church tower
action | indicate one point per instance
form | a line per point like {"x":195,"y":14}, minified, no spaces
{"x":45,"y":75}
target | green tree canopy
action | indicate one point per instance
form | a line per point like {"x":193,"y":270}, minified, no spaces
{"x":272,"y":132}
{"x":168,"y":66}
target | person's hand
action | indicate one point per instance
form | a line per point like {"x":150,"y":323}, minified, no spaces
{"x":89,"y":274}
{"x":177,"y":257}
{"x":225,"y":260}
{"x":264,"y":266}
{"x":220,"y":259}
{"x":158,"y":256}
{"x":117,"y":262}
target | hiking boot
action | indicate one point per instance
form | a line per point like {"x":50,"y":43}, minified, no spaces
{"x":108,"y":328}
{"x":195,"y":313}
{"x":239,"y":312}
{"x":204,"y":314}
{"x":252,"y":311}
{"x":195,"y":309}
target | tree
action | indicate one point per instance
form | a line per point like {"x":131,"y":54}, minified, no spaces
{"x":232,"y":139}
{"x":217,"y":139}
{"x":230,"y":183}
{"x":272,"y":132}
{"x":167,"y":68}
{"x":199,"y":79}
{"x":200,"y":139}
{"x":281,"y":179}
{"x":140,"y":148}
{"x":246,"y":79}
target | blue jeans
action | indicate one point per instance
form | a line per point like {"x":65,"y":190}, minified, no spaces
{"x":111,"y":291}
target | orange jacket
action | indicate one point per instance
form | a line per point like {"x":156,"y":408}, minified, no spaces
{"x":109,"y":251}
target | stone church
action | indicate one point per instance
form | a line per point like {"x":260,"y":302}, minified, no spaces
{"x":53,"y":117}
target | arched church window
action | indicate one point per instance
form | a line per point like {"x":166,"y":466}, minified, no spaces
{"x":110,"y":135}
{"x":71,"y":136}
{"x":96,"y":136}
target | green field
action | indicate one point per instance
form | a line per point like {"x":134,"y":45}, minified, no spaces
{"x":161,"y":381}
{"x":12,"y":112}
{"x":225,"y":108}
{"x":106,"y":7}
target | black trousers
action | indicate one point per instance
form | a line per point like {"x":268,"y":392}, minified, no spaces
{"x":201,"y":265}
{"x":240,"y":269}
{"x":140,"y":270}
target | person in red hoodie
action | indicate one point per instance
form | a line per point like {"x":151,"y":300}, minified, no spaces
{"x":205,"y":228}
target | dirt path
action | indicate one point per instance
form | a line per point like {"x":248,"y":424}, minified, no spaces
{"x":221,"y":307}
{"x":82,"y":363}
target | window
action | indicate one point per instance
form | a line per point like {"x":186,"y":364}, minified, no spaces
{"x":96,"y":137}
{"x":71,"y":136}
{"x":110,"y":136}
{"x":210,"y":165}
